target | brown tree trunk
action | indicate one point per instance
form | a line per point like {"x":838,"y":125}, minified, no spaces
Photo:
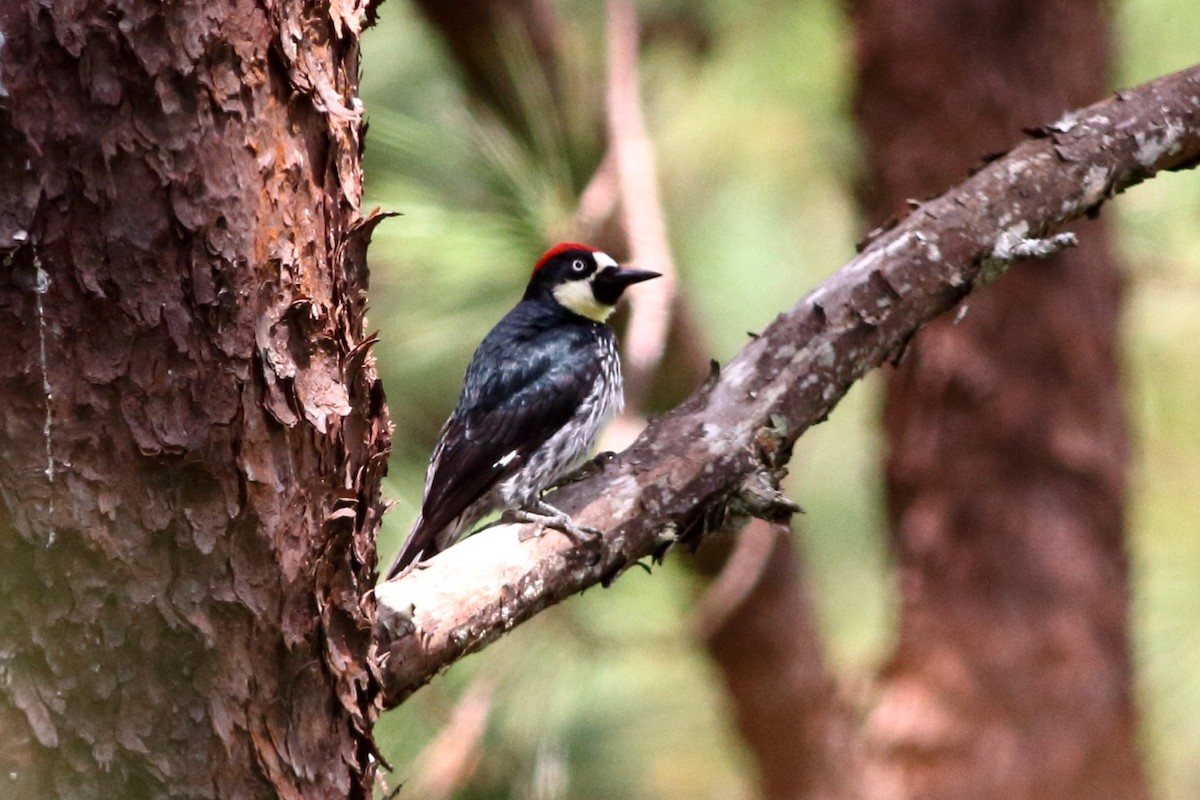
{"x":191,"y":430}
{"x":1006,"y":441}
{"x":761,"y":633}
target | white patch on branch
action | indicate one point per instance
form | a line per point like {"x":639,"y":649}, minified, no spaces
{"x":1155,"y":144}
{"x":1094,"y":189}
{"x":1013,"y":245}
{"x":623,"y":493}
{"x":1068,"y":121}
{"x":1034,"y":248}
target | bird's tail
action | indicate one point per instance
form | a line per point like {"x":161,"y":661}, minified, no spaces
{"x":420,"y":544}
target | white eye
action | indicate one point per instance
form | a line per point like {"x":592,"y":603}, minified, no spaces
{"x":578,"y":266}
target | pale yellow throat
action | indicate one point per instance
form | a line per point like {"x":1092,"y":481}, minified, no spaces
{"x":578,"y":297}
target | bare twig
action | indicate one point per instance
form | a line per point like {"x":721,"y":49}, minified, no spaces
{"x":598,"y":201}
{"x":452,"y":757}
{"x":691,"y":463}
{"x":737,"y":578}
{"x":650,"y":308}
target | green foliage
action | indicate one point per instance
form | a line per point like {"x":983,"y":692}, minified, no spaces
{"x":1158,"y":243}
{"x":608,"y":695}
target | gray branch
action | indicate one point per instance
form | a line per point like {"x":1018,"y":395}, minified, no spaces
{"x":722,"y":451}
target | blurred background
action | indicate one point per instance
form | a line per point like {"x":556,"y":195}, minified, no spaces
{"x":748,"y":108}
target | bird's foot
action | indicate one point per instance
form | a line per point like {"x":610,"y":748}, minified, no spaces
{"x":586,"y":470}
{"x":547,"y":516}
{"x":408,"y":569}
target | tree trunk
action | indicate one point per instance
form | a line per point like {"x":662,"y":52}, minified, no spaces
{"x":192,"y":433}
{"x":1006,"y":441}
{"x":761,"y":632}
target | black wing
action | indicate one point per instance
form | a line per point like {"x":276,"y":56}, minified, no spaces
{"x":518,"y":392}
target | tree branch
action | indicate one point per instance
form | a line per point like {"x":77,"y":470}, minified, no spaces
{"x":723,"y":448}
{"x":645,"y":228}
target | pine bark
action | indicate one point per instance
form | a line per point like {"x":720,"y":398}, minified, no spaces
{"x":192,"y":434}
{"x":1007,"y":446}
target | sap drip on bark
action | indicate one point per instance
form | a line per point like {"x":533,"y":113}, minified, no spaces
{"x":41,"y":286}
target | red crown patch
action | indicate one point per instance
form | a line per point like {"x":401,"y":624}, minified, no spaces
{"x":560,"y":248}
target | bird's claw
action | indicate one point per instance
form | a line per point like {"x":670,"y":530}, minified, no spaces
{"x":410,"y":569}
{"x":589,"y":468}
{"x":545,"y":515}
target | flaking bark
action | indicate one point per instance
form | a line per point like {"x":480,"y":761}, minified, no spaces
{"x":689,"y":464}
{"x":192,"y":433}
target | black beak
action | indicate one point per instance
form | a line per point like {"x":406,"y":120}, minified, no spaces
{"x":610,"y":282}
{"x":627,"y":276}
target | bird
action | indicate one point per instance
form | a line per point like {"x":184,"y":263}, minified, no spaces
{"x":537,"y":392}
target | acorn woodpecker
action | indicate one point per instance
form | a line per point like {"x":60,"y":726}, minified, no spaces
{"x":538,"y":390}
